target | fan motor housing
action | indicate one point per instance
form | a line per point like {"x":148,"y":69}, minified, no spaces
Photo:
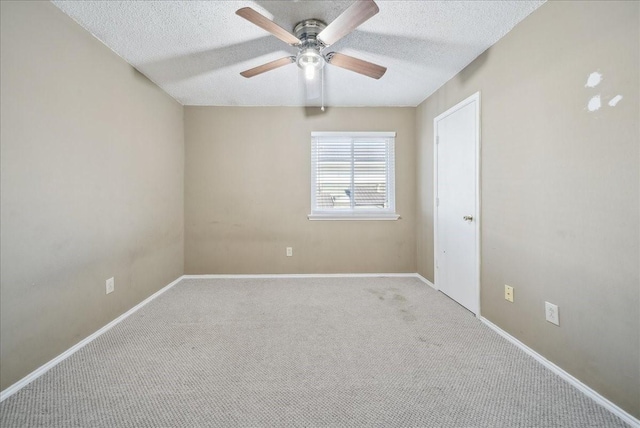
{"x":308,"y":30}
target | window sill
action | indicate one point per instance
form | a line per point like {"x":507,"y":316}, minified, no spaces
{"x":354,"y":216}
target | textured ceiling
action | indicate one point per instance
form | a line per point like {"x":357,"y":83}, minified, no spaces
{"x":195,"y":50}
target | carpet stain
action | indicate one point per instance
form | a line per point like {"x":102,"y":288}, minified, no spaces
{"x":399,"y":297}
{"x":407,"y":316}
{"x":378,"y":293}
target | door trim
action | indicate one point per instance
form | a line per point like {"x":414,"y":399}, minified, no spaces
{"x":473,"y":98}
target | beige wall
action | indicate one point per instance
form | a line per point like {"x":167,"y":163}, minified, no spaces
{"x":560,"y":188}
{"x":247,"y":193}
{"x":92,"y":159}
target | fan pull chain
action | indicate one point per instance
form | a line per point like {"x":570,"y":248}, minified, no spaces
{"x":322,"y":87}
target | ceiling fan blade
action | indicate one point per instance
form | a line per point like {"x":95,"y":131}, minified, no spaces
{"x":267,"y":24}
{"x":358,"y":65}
{"x":351,"y":18}
{"x":268,"y":66}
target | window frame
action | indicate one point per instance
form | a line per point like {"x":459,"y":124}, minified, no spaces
{"x":388,"y":213}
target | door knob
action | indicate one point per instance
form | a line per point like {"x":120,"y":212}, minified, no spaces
{"x":468,"y":218}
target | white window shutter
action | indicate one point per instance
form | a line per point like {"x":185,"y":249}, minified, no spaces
{"x":353,"y":174}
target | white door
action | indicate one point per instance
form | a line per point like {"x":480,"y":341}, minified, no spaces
{"x":456,"y":223}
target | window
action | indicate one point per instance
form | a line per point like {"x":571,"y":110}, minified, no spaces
{"x":352,"y":176}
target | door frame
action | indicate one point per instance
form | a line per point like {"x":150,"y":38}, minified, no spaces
{"x":473,"y":98}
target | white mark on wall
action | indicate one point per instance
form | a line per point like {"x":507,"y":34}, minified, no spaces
{"x":594,"y":80}
{"x":615,"y":100}
{"x":594,"y":103}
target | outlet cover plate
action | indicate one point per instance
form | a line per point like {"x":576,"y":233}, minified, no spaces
{"x":110,"y":285}
{"x":289,"y":251}
{"x":508,"y":293}
{"x":551,"y":313}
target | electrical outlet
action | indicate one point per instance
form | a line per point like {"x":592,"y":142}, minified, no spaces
{"x":508,"y":293}
{"x":289,"y":251}
{"x":551,"y":313}
{"x":110,"y":285}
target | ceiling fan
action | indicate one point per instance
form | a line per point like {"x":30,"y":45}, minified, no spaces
{"x":312,"y":36}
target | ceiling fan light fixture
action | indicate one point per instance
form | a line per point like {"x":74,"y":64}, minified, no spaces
{"x":310,"y":60}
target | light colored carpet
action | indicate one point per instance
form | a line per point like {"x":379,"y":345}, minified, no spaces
{"x":385,"y":352}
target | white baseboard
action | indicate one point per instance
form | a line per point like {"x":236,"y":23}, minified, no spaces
{"x":66,"y":354}
{"x":595,"y":396}
{"x":314,"y":275}
{"x":426,"y":281}
{"x":306,"y":275}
